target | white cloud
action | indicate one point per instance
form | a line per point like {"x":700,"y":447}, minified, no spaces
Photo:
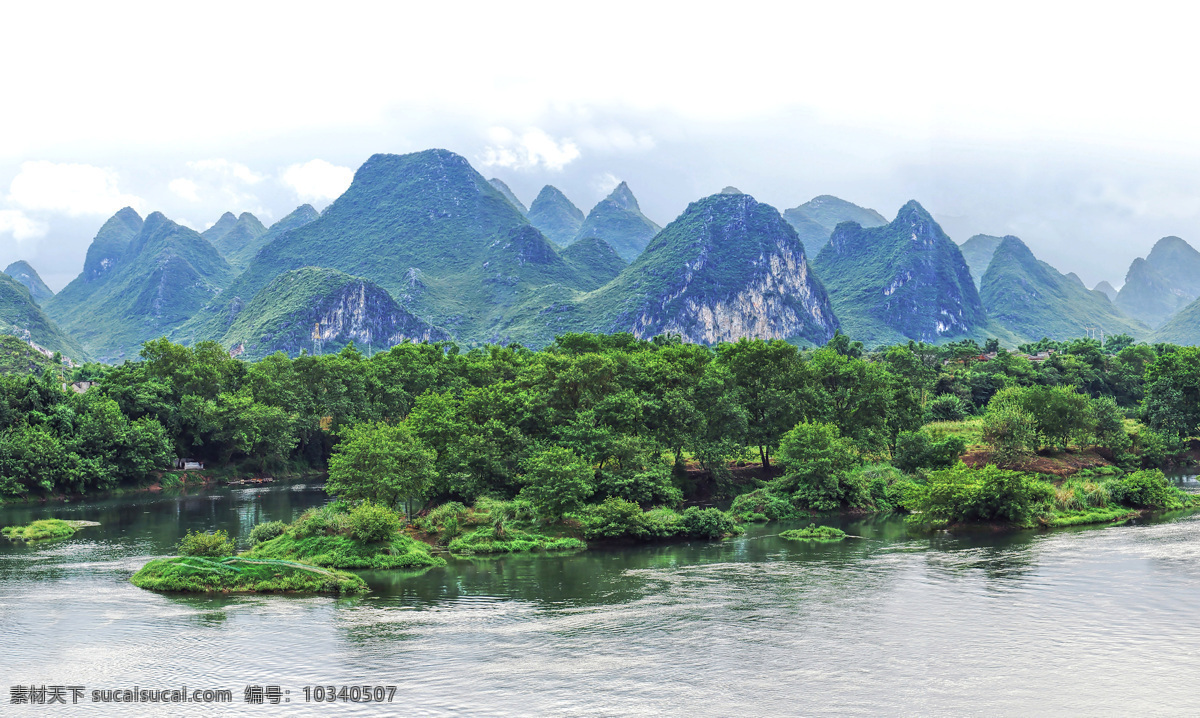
{"x":227,"y":169}
{"x":74,"y":189}
{"x":605,"y":183}
{"x":615,"y":138}
{"x":185,"y":188}
{"x":533,"y":149}
{"x":22,"y":228}
{"x":317,"y":179}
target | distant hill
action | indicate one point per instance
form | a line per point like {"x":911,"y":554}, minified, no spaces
{"x":28,"y":277}
{"x":17,"y":357}
{"x":554,"y":215}
{"x":618,"y":220}
{"x":165,"y":273}
{"x":904,"y":280}
{"x":22,"y":317}
{"x":1163,"y":283}
{"x":289,"y":311}
{"x":816,"y":219}
{"x":237,"y":241}
{"x":728,"y":267}
{"x":978,"y":251}
{"x":1033,"y":300}
{"x":1182,"y":328}
{"x":508,"y":195}
{"x":1106,"y":289}
{"x":595,"y":261}
{"x":428,"y":229}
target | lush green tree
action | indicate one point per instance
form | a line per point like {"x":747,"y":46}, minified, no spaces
{"x":557,"y":481}
{"x":1172,"y":403}
{"x":815,"y":458}
{"x":379,"y":462}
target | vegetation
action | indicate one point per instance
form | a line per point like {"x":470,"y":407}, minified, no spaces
{"x":192,"y":574}
{"x":336,"y":536}
{"x":618,"y":220}
{"x":30,"y":279}
{"x":812,"y":532}
{"x":44,"y":529}
{"x":208,"y":545}
{"x":20,"y":315}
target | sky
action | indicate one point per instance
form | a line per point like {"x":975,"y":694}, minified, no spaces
{"x":1069,"y":127}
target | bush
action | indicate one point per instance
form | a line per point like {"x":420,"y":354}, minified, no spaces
{"x":763,"y":502}
{"x":266,"y":531}
{"x":1008,"y":431}
{"x":556,"y":481}
{"x":709,"y":523}
{"x":370,"y":522}
{"x":208,"y":545}
{"x":614,"y":518}
{"x":1148,"y":489}
{"x":963,"y":494}
{"x":922,"y":450}
{"x":816,"y":458}
{"x":328,"y":520}
{"x":812,"y":532}
{"x":946,"y":407}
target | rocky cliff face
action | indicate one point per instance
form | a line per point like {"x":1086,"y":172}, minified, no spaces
{"x":315,"y":307}
{"x":728,"y":267}
{"x":904,"y":280}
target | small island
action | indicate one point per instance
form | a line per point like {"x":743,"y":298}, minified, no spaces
{"x":812,"y":532}
{"x":233,"y":574}
{"x":45,"y":529}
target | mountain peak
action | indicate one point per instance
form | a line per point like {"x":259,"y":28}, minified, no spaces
{"x":730,"y":189}
{"x":24,"y":273}
{"x":623,"y":197}
{"x":555,"y":215}
{"x":508,"y":194}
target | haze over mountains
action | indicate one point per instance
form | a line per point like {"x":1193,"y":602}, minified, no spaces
{"x":423,"y":247}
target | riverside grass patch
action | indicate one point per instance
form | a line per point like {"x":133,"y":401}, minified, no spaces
{"x":235,"y":574}
{"x":44,"y":530}
{"x":812,"y":532}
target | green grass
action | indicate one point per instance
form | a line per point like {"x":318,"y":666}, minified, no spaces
{"x":339,"y":551}
{"x":1088,"y":516}
{"x":814,"y":533}
{"x":44,"y":529}
{"x":971,"y":430}
{"x":484,"y":540}
{"x":192,"y":574}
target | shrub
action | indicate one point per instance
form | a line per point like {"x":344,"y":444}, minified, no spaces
{"x":709,"y":523}
{"x":816,"y":458}
{"x":812,"y":532}
{"x":556,"y":481}
{"x":1008,"y":431}
{"x":763,"y":502}
{"x":328,"y":520}
{"x":445,"y":520}
{"x":922,"y":450}
{"x":1148,"y":489}
{"x":961,"y":494}
{"x":266,"y":531}
{"x":946,"y":407}
{"x":369,"y":522}
{"x":209,"y":545}
{"x":613,"y":518}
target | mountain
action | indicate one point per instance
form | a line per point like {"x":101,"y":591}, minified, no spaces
{"x":428,"y":229}
{"x":816,"y":219}
{"x":238,"y":242}
{"x":728,"y":267}
{"x":595,"y":261}
{"x":978,"y":251}
{"x":619,"y":221}
{"x":508,"y":195}
{"x":290,"y":310}
{"x":18,"y":357}
{"x":1106,"y":289}
{"x":1183,"y":328}
{"x":164,"y":275}
{"x":28,"y":277}
{"x":553,"y":214}
{"x":904,"y":280}
{"x":1033,"y":300}
{"x":107,"y":248}
{"x":1167,"y":280}
{"x":22,"y":317}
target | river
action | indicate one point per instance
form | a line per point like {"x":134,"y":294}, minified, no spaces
{"x":1086,"y":621}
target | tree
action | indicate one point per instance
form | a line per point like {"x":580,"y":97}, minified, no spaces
{"x":765,"y":374}
{"x":1172,"y":403}
{"x":380,"y":462}
{"x":557,"y":481}
{"x":816,"y":457}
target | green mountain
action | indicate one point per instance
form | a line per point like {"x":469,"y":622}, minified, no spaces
{"x":619,"y":221}
{"x":816,"y":219}
{"x":508,"y":195}
{"x":728,"y":267}
{"x":553,"y":214}
{"x":1163,"y":283}
{"x":106,"y":250}
{"x":1106,"y":289}
{"x":302,"y":304}
{"x":427,"y":228}
{"x":238,"y":242}
{"x":1033,"y":300}
{"x":1183,"y":328}
{"x":904,"y":280}
{"x":22,"y":317}
{"x":165,"y":274}
{"x":595,"y":261}
{"x":978,"y":251}
{"x":18,"y":357}
{"x":28,"y":277}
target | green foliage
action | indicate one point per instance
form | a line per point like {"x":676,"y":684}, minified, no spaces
{"x":240,"y":575}
{"x":1008,"y":431}
{"x":927,"y":450}
{"x":372,"y":523}
{"x":962,"y":494}
{"x":557,"y":481}
{"x":812,"y":532}
{"x":764,"y":503}
{"x":617,"y":518}
{"x":266,"y":531}
{"x":380,"y":462}
{"x":40,"y":530}
{"x":484,"y":540}
{"x":210,"y":545}
{"x":816,"y":459}
{"x":946,"y":407}
{"x":1172,"y":404}
{"x":1148,"y":489}
{"x":708,"y":523}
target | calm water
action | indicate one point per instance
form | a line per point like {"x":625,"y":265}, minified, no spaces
{"x":1073,"y":622}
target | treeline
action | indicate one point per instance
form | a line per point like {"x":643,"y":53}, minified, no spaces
{"x":634,"y":412}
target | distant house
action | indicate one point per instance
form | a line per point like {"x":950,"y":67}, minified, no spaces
{"x":189,"y":465}
{"x":79,"y":387}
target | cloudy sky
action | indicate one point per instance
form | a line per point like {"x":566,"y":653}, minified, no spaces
{"x":1072,"y":129}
